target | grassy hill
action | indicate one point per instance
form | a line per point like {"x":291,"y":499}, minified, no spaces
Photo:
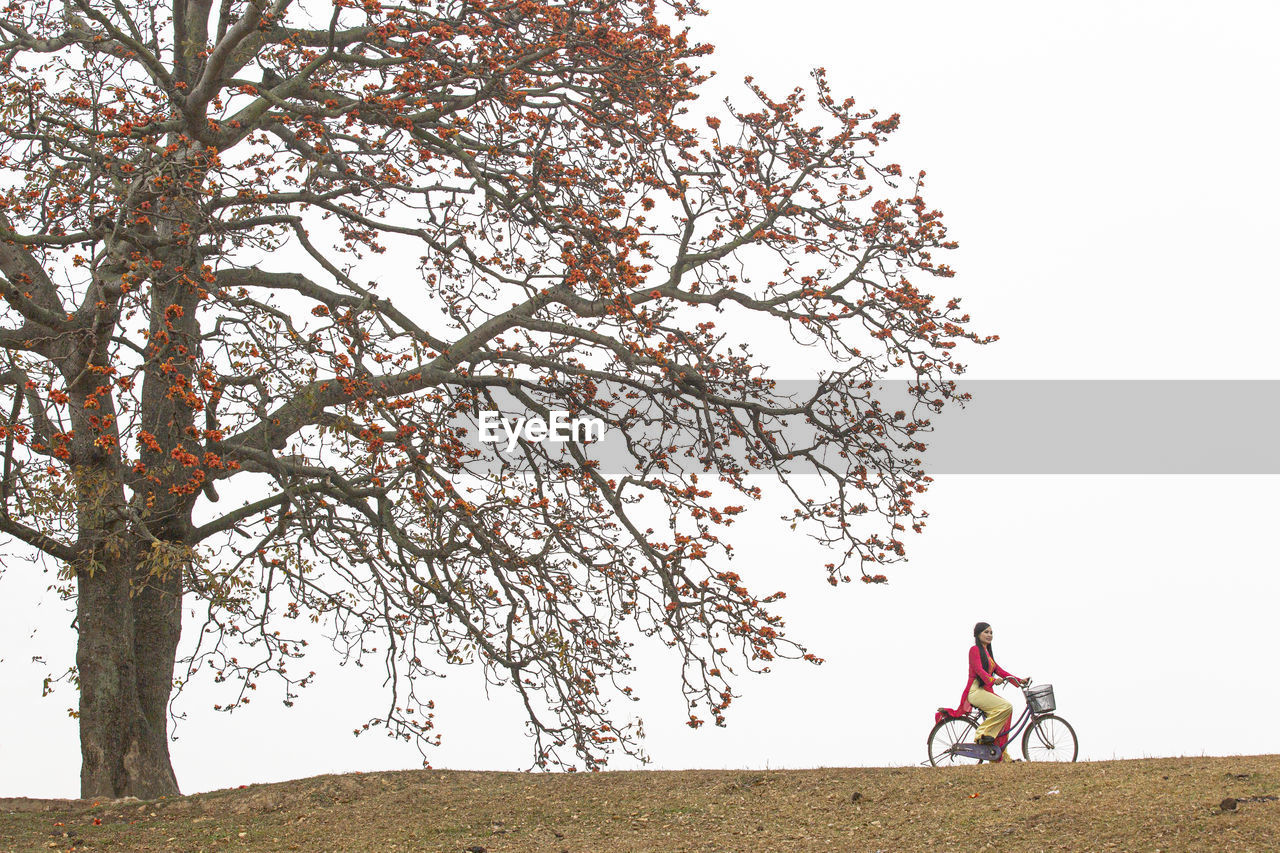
{"x":1165,"y":804}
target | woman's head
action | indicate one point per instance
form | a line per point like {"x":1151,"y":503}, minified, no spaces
{"x":982,"y":633}
{"x":982,"y":638}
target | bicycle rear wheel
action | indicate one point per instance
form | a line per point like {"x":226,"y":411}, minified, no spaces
{"x":948,"y":732}
{"x":1050,"y":738}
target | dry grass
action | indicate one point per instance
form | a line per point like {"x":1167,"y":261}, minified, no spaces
{"x":1149,"y":805}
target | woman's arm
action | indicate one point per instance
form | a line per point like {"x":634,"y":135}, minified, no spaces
{"x":1003,"y":674}
{"x":1009,"y":676}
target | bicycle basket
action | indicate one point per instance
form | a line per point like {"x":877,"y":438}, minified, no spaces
{"x":1040,"y":698}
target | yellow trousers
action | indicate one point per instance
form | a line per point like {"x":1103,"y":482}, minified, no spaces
{"x":998,"y":710}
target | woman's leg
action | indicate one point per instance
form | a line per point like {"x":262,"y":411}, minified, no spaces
{"x":998,"y":711}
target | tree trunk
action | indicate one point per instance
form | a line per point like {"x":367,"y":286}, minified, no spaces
{"x":130,"y":604}
{"x":129,"y":627}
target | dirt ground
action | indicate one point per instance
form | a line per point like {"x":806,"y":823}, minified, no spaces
{"x":1165,"y":804}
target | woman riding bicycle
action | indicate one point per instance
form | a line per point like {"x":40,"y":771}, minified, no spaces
{"x":984,"y":674}
{"x":1045,"y":735}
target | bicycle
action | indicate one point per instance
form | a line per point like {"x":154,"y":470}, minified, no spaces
{"x":1047,"y":738}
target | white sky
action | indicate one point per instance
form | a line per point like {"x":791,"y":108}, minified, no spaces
{"x":1108,"y":170}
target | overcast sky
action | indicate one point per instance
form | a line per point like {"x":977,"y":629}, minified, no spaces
{"x":1109,"y":172}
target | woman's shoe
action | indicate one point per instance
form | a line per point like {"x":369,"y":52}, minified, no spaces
{"x":985,"y":739}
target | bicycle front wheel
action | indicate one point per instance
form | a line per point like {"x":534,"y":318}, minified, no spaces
{"x":1050,"y":738}
{"x":948,"y":732}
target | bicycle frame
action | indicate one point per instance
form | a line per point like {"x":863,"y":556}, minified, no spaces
{"x":991,"y":751}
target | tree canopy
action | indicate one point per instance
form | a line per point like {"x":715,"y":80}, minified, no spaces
{"x":263,"y":265}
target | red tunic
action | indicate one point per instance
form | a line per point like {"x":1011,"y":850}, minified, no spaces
{"x":984,"y":678}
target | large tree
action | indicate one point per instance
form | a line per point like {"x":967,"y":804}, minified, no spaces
{"x":289,"y":251}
